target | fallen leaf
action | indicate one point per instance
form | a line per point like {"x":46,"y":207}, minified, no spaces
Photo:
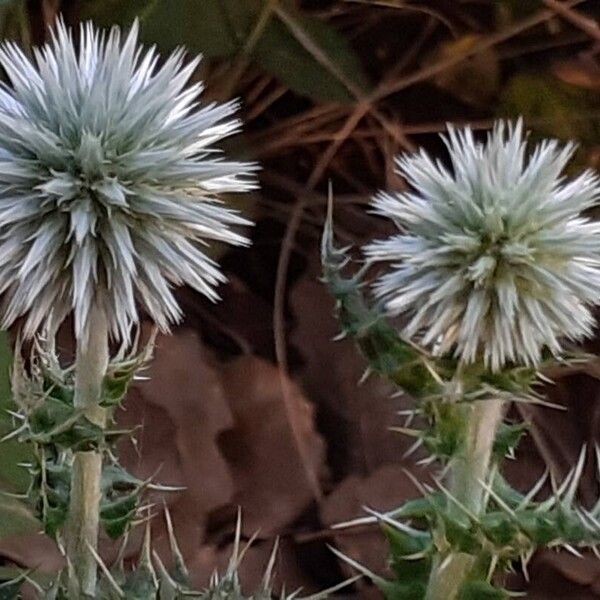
{"x":355,"y":419}
{"x":384,"y":490}
{"x":561,"y":576}
{"x":272,"y":479}
{"x":287,"y":574}
{"x":578,"y":423}
{"x":583,"y":72}
{"x":182,"y":410}
{"x":32,"y":551}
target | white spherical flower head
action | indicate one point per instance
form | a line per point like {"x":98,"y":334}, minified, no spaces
{"x":494,"y":260}
{"x":109,"y":181}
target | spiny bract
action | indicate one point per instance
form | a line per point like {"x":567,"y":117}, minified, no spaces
{"x":108,"y":181}
{"x":494,"y":260}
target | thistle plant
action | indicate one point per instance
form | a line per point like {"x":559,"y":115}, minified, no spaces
{"x":151,"y":579}
{"x":110,"y":188}
{"x":494,"y":269}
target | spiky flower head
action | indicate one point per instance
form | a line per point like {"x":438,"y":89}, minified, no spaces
{"x":494,"y":260}
{"x":109,"y":181}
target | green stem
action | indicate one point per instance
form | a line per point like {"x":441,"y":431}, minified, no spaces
{"x":467,"y":471}
{"x":84,"y":510}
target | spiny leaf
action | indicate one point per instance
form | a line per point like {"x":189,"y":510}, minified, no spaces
{"x":446,"y":434}
{"x":507,"y":439}
{"x":117,"y":515}
{"x":499,"y":528}
{"x":387,"y":353}
{"x":395,"y":590}
{"x":482,"y":590}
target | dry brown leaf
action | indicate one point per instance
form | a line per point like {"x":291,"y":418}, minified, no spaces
{"x":287,"y":573}
{"x":560,"y":435}
{"x":555,"y":439}
{"x":387,"y":488}
{"x":354,"y":418}
{"x":34,"y":551}
{"x":223,"y":433}
{"x":271,"y":482}
{"x":182,"y":411}
{"x":561,"y":576}
{"x":583,"y":72}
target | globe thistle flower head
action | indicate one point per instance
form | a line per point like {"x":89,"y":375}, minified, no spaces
{"x":109,"y":181}
{"x":494,"y":260}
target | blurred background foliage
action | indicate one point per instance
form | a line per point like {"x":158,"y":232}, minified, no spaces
{"x":250,"y":402}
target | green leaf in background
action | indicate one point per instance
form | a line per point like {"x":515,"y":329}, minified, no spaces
{"x":13,"y":478}
{"x":110,"y":12}
{"x":15,"y":517}
{"x":14,"y":21}
{"x":213,"y":28}
{"x":552,"y":108}
{"x":310,"y":57}
{"x":555,"y":107}
{"x":305,"y":53}
{"x":14,"y":574}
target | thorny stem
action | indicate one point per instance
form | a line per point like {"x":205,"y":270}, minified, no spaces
{"x":467,"y":472}
{"x":84,"y":510}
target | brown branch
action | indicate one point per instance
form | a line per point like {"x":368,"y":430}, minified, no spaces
{"x":391,"y":87}
{"x":586,"y":24}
